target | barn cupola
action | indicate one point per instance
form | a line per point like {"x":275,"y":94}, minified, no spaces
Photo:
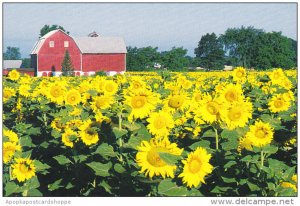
{"x":93,"y":34}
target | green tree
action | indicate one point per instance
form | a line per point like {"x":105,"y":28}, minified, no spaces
{"x":66,"y":66}
{"x":26,"y":63}
{"x":176,"y":59}
{"x":271,"y":50}
{"x":210,"y":52}
{"x":141,"y":59}
{"x":238,"y":44}
{"x":12,"y":53}
{"x":48,"y":28}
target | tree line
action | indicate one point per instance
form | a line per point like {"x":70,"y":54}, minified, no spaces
{"x":245,"y":46}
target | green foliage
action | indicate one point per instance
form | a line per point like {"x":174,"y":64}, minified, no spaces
{"x":66,"y":66}
{"x":12,"y":53}
{"x":210,"y":52}
{"x":47,"y":28}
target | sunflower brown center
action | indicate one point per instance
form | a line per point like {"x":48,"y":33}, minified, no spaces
{"x":194,"y":165}
{"x":176,"y":101}
{"x":234,"y":114}
{"x":154,"y":159}
{"x":278,"y":103}
{"x":24,"y":168}
{"x":231,"y":96}
{"x":138,"y":101}
{"x":260,"y":133}
{"x":212,"y":108}
{"x":159,"y":122}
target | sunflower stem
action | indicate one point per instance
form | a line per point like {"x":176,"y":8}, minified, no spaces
{"x":217,"y":139}
{"x":261,"y":158}
{"x":120,"y":121}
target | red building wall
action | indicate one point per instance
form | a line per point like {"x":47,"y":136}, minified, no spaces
{"x":103,"y":62}
{"x":53,"y":56}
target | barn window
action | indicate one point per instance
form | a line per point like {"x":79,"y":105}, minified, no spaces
{"x":51,"y":43}
{"x":66,"y":43}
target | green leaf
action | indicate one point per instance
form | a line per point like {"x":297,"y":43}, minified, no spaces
{"x":55,"y":185}
{"x":286,"y":192}
{"x":105,"y":150}
{"x":62,"y":160}
{"x":168,"y":158}
{"x":33,"y":131}
{"x":229,"y":134}
{"x":119,"y":132}
{"x":253,"y":187}
{"x":229,"y":180}
{"x":131,"y":126}
{"x":169,"y":188}
{"x":34,"y":193}
{"x":26,"y":141}
{"x":80,"y":158}
{"x":11,"y":188}
{"x":41,"y":167}
{"x":194,"y":193}
{"x":229,"y":164}
{"x":209,"y":133}
{"x":106,"y":186}
{"x":55,"y":133}
{"x":270,"y":149}
{"x":100,"y":169}
{"x":32,"y":183}
{"x":119,"y":168}
{"x":202,"y":143}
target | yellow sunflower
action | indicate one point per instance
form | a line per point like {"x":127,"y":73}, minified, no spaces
{"x":56,"y":93}
{"x":69,"y":137}
{"x":23,"y":169}
{"x":239,"y":74}
{"x":260,"y":134}
{"x":57,"y":124}
{"x":9,"y":149}
{"x":276,"y":76}
{"x":24,"y":90}
{"x":209,"y":109}
{"x":8,"y":93}
{"x":232,"y":93}
{"x":176,"y":101}
{"x":11,"y":135}
{"x":101,"y":102}
{"x":237,"y":114}
{"x":142,"y":103}
{"x":14,"y":75}
{"x":244,"y":143}
{"x":148,"y":157}
{"x":88,"y":133}
{"x":160,"y":123}
{"x":72,"y":97}
{"x":196,"y":167}
{"x":110,"y":87}
{"x":279,"y":104}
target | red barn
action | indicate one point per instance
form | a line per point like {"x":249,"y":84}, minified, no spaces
{"x":88,"y":54}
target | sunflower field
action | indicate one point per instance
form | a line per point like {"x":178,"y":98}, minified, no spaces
{"x":151,"y":134}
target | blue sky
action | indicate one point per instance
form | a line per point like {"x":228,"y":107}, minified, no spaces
{"x":162,"y":25}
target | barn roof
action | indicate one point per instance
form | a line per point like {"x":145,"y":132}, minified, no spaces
{"x":90,"y":45}
{"x":100,"y":45}
{"x":12,"y":64}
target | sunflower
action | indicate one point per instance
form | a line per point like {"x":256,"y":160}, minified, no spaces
{"x":101,"y":102}
{"x":142,"y":103}
{"x":209,"y":109}
{"x":176,"y":101}
{"x":56,"y":93}
{"x":9,"y":149}
{"x":237,"y":114}
{"x":8,"y":93}
{"x":160,"y":123}
{"x":88,"y":133}
{"x":232,"y":93}
{"x":73,"y":97}
{"x":11,"y":135}
{"x":57,"y":124}
{"x":148,"y":157}
{"x":24,"y":90}
{"x":244,"y":143}
{"x":260,"y":134}
{"x":110,"y":87}
{"x":196,"y":167}
{"x":276,"y":76}
{"x":14,"y":75}
{"x":23,"y":169}
{"x":68,"y":137}
{"x":101,"y":118}
{"x":279,"y":104}
{"x":239,"y":74}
